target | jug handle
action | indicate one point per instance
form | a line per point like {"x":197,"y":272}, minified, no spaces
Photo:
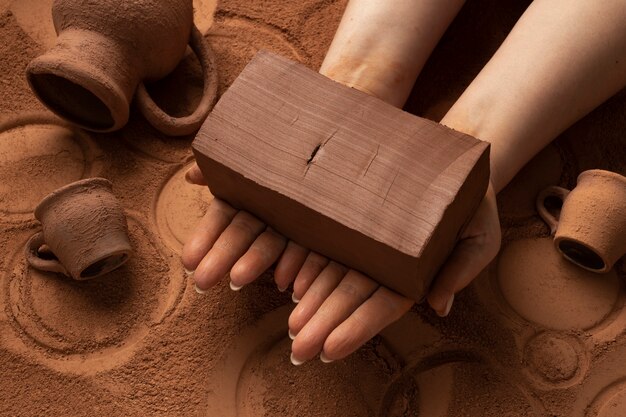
{"x":180,"y":126}
{"x":553,"y":191}
{"x":31,"y":250}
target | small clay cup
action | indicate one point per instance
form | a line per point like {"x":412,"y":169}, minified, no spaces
{"x":84,"y":227}
{"x":591,"y":228}
{"x":106,"y":49}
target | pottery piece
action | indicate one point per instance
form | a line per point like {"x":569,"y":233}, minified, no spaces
{"x":104,"y":52}
{"x":84,"y":227}
{"x":342,"y":172}
{"x":591,"y":228}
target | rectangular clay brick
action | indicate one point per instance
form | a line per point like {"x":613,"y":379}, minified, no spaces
{"x":342,"y":172}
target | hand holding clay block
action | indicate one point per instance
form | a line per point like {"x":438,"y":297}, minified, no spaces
{"x":591,"y":229}
{"x":106,"y":49}
{"x":341,"y":172}
{"x":85,"y":228}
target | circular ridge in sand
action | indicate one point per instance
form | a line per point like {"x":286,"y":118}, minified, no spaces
{"x":257,"y":378}
{"x":38,"y":154}
{"x":553,"y":358}
{"x":237,"y":38}
{"x":87,"y":326}
{"x":611,"y":402}
{"x":178,"y":209}
{"x":545,"y":289}
{"x":454,"y":384}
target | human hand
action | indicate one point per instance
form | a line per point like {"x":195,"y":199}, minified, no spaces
{"x":339,"y":309}
{"x":479,"y":244}
{"x":229,"y":241}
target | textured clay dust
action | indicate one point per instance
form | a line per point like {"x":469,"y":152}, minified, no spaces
{"x":530,"y":337}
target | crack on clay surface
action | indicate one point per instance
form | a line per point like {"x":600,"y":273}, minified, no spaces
{"x":371,"y":161}
{"x":313,"y":154}
{"x":393,"y":181}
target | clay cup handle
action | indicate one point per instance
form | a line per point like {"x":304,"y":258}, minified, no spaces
{"x":180,"y":126}
{"x":553,"y":191}
{"x":32,"y":256}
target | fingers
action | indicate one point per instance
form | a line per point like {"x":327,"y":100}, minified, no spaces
{"x":317,"y":293}
{"x":351,"y":292}
{"x":289,"y":264}
{"x":379,"y":311}
{"x":471,"y":255}
{"x":265,"y":250}
{"x":217,"y":218}
{"x":231,"y":245}
{"x":194,"y":175}
{"x":313,"y":265}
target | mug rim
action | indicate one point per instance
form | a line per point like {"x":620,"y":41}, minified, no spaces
{"x":124,"y":252}
{"x":60,"y":192}
{"x":84,"y":75}
{"x":557,"y":240}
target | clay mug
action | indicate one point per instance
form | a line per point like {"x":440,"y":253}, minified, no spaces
{"x":84,"y":226}
{"x":591,"y":228}
{"x":104,"y":52}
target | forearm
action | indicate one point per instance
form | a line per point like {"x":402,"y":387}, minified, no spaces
{"x":381,"y":46}
{"x":562,"y":59}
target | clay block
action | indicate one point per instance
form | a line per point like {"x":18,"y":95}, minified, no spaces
{"x":341,"y":172}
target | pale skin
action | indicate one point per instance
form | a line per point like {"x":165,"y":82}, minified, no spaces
{"x":560,"y":61}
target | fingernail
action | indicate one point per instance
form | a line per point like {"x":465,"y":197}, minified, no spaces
{"x":291,"y":335}
{"x":294,"y":298}
{"x":188,"y":272}
{"x":325,"y":359}
{"x":448,"y":307}
{"x":235,"y":287}
{"x":295,"y":361}
{"x":282,"y":289}
{"x":198,"y":290}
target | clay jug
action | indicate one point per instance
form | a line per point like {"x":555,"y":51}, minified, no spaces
{"x":591,"y":228}
{"x":105,"y":50}
{"x":84,"y":226}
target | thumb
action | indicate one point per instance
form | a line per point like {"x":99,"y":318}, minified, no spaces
{"x":470,"y":256}
{"x":467,"y":260}
{"x":194,"y":175}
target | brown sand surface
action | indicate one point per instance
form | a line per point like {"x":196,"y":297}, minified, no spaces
{"x":533,"y":336}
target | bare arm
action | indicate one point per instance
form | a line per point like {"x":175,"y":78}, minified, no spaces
{"x":380,"y":46}
{"x":562,"y":59}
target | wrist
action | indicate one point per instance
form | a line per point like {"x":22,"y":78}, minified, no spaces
{"x":381,"y":46}
{"x":369,"y":76}
{"x":480,"y":129}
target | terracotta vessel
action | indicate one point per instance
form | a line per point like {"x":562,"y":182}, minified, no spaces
{"x":105,"y":50}
{"x":591,"y":228}
{"x":84,"y":227}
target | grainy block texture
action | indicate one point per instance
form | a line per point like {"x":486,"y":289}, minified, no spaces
{"x":341,"y":172}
